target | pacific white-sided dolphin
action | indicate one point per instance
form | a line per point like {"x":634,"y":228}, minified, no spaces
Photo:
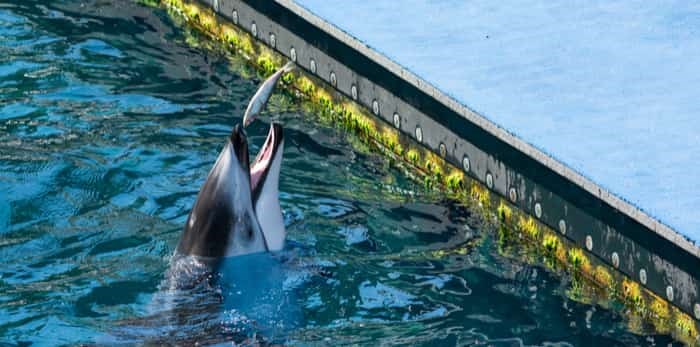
{"x":237,"y":210}
{"x":221,"y":267}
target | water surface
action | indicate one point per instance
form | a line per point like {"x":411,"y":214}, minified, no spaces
{"x":110,"y":118}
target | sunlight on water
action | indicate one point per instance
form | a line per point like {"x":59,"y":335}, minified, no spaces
{"x":109,"y":123}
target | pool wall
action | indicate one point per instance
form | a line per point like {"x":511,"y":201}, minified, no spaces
{"x":565,"y":217}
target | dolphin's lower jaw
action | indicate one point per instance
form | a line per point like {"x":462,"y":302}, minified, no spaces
{"x":265,"y":175}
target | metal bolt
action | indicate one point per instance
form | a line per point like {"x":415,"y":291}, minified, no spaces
{"x":489,"y":180}
{"x":375,"y":107}
{"x":254,"y":29}
{"x":353,"y":92}
{"x":696,"y":311}
{"x":216,"y":5}
{"x":419,"y":134}
{"x":293,"y":54}
{"x":443,"y":150}
{"x":615,"y":260}
{"x":562,"y":226}
{"x":334,"y":80}
{"x":397,"y":120}
{"x":538,"y":210}
{"x":273,"y":40}
{"x":589,"y":242}
{"x":466,"y":165}
{"x":513,"y":194}
{"x":234,"y":16}
{"x":669,"y":293}
{"x":643,"y":276}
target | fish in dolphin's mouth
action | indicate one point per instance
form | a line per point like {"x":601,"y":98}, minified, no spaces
{"x":237,"y":210}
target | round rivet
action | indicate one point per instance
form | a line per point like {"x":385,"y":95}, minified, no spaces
{"x":512,"y":194}
{"x":254,"y":29}
{"x":353,"y":92}
{"x":234,"y":16}
{"x":643,"y":276}
{"x":669,"y":293}
{"x":312,"y":66}
{"x":334,"y":81}
{"x":696,"y":311}
{"x":273,"y":40}
{"x":375,"y":107}
{"x":538,"y":210}
{"x":293,"y":54}
{"x":615,"y":260}
{"x":443,"y":150}
{"x":216,"y":5}
{"x":466,"y":165}
{"x":397,"y":121}
{"x":562,"y":226}
{"x":489,"y":180}
{"x":589,"y":242}
{"x":419,"y":134}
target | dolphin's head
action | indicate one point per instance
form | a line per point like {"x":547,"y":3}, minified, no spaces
{"x":232,"y":215}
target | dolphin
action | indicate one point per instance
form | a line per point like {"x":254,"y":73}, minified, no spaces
{"x":226,"y":256}
{"x":222,"y":269}
{"x":259,"y":100}
{"x":237,"y":210}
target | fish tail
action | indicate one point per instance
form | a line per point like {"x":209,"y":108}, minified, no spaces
{"x":288,"y":67}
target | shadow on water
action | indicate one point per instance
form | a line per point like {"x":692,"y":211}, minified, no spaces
{"x":111,"y":116}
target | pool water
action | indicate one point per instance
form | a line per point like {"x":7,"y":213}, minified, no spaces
{"x":111,"y":116}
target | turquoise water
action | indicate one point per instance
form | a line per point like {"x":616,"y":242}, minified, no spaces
{"x":109,"y":122}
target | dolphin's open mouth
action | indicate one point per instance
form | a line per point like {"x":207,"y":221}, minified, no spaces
{"x":261,"y":166}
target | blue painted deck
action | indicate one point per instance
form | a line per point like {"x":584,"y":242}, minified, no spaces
{"x":611,"y":89}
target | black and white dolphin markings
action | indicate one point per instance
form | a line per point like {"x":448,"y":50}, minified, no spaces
{"x":237,"y":211}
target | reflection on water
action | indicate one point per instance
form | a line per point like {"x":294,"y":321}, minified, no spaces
{"x":109,"y":122}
